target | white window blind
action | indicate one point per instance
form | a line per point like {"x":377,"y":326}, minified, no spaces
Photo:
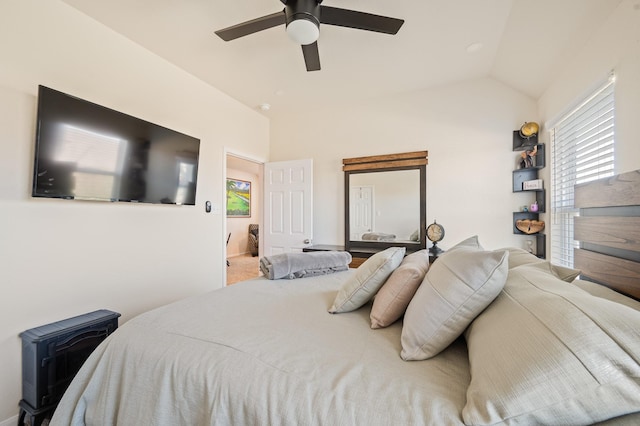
{"x":582,"y":151}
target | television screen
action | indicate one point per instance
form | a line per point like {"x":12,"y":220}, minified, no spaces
{"x":90,"y":152}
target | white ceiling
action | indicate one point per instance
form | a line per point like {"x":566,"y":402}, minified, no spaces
{"x":524,"y":42}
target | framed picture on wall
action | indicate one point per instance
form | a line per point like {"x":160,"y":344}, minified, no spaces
{"x":238,"y":198}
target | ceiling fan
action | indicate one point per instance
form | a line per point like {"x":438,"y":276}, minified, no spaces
{"x":303,"y":18}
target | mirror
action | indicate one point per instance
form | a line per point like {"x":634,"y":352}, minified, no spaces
{"x":385,"y":206}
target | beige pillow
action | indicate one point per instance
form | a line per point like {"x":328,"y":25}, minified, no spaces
{"x":396,"y":293}
{"x":457,"y":287}
{"x":518,"y":256}
{"x":471,"y":243}
{"x":564,"y":273}
{"x":547,"y":352}
{"x":367,"y":280}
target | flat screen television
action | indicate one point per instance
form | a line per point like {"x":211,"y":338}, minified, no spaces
{"x":90,"y":152}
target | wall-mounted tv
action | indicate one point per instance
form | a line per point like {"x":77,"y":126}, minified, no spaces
{"x":90,"y":152}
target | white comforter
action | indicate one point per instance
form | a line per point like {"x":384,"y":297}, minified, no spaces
{"x":263,"y":352}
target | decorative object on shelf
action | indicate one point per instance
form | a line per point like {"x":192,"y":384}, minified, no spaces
{"x":527,"y":157}
{"x":534,"y":207}
{"x":532,"y":185}
{"x":435,"y":233}
{"x":530,"y":226}
{"x":529,"y":129}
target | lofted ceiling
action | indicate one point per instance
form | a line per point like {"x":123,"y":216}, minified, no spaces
{"x":518,"y":42}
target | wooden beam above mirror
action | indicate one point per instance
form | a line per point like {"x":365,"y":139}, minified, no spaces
{"x":388,"y":161}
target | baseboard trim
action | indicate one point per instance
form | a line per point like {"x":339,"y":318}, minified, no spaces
{"x":12,"y":421}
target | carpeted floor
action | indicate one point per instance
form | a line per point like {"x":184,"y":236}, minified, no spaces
{"x":242,"y":267}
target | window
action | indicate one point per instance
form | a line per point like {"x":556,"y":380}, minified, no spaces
{"x":582,"y":150}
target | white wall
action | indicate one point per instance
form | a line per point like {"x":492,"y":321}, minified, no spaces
{"x":239,"y":226}
{"x":63,"y":258}
{"x":616,"y":46}
{"x":467,"y":129}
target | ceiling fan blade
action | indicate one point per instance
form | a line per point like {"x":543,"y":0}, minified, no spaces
{"x":360,"y":20}
{"x":311,"y":56}
{"x":253,"y":26}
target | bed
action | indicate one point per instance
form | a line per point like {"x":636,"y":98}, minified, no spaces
{"x":519,"y":341}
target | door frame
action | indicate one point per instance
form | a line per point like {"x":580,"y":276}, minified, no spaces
{"x":223,"y":184}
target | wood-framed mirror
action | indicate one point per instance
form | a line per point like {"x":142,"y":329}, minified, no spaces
{"x":385,"y":202}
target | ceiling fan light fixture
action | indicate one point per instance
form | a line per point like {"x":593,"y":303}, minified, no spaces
{"x":303,"y":29}
{"x":302,"y":19}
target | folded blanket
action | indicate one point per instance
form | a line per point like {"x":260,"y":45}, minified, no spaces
{"x":301,"y":264}
{"x":378,"y":236}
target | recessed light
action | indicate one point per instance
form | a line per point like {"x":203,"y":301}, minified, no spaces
{"x":474,"y":47}
{"x":265,"y":107}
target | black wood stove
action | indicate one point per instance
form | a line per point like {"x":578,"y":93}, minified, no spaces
{"x":52,"y":355}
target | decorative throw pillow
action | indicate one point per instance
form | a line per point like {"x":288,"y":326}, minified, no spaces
{"x":471,"y":242}
{"x":547,"y":352}
{"x":564,"y":273}
{"x":396,"y":293}
{"x":458,"y":286}
{"x":367,"y":280}
{"x":518,"y":256}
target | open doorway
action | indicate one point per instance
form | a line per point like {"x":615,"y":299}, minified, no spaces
{"x":244,"y":183}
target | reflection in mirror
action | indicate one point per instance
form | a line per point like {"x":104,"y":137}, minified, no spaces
{"x":385,"y":206}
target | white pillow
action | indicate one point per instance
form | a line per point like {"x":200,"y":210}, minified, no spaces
{"x":471,"y":243}
{"x":518,"y":256}
{"x":547,"y":352}
{"x":458,"y":286}
{"x":369,"y":277}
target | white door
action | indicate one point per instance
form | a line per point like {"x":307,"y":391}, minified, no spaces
{"x":288,"y":206}
{"x":360,"y":211}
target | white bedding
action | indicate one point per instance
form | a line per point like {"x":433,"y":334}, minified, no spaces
{"x":263,"y":352}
